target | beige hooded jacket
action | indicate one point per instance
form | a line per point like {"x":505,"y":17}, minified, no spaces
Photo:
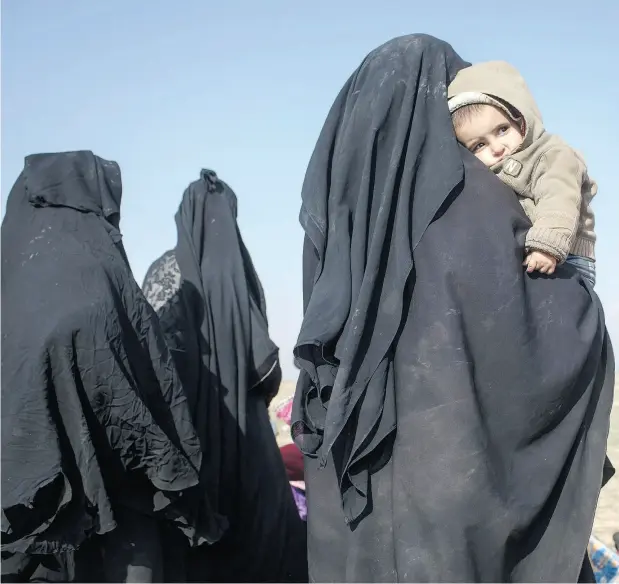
{"x":550,"y":178}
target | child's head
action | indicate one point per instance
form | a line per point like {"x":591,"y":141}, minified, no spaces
{"x":486,"y":128}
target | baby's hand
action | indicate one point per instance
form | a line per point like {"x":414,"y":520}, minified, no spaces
{"x":539,"y":260}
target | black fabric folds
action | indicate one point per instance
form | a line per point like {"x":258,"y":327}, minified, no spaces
{"x":93,"y":414}
{"x":384,"y":163}
{"x":212,"y":309}
{"x":420,"y":318}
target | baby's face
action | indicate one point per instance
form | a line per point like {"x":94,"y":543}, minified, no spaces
{"x":490,"y":134}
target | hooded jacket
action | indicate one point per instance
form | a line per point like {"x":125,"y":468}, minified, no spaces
{"x":550,"y":178}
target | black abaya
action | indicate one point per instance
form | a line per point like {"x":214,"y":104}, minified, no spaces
{"x":212,"y":309}
{"x":95,"y":424}
{"x":454,"y":410}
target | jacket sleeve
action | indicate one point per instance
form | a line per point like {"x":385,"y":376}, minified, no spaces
{"x":557,"y":193}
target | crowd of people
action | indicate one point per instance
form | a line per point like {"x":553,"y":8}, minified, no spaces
{"x":453,"y":405}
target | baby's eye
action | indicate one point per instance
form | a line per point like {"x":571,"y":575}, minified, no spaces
{"x":502,"y":130}
{"x":477,"y":147}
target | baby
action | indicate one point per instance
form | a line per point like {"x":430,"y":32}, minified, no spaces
{"x":497,"y":119}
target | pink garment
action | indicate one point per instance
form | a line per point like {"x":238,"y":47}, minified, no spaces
{"x":284,"y":411}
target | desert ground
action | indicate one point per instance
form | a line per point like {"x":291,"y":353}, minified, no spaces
{"x":607,"y":516}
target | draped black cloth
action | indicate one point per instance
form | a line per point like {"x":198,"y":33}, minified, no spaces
{"x":95,"y":424}
{"x":212,"y":309}
{"x":454,"y":410}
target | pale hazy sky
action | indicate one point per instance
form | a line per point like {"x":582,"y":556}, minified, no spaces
{"x":168,"y":87}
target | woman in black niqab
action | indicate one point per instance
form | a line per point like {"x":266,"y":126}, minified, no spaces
{"x":453,"y":410}
{"x":97,"y":438}
{"x":212,"y":309}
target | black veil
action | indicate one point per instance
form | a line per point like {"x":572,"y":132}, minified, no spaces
{"x":384,"y":164}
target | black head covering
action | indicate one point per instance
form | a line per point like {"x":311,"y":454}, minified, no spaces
{"x":376,"y":179}
{"x":225,"y":289}
{"x":94,"y":415}
{"x":212,"y":308}
{"x":228,"y":285}
{"x":95,"y":184}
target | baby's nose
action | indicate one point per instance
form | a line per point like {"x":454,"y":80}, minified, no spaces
{"x":498,"y":149}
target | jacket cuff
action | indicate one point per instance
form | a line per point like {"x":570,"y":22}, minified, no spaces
{"x":549,"y":241}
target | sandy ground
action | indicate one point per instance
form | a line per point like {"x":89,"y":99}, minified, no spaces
{"x":607,"y":516}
